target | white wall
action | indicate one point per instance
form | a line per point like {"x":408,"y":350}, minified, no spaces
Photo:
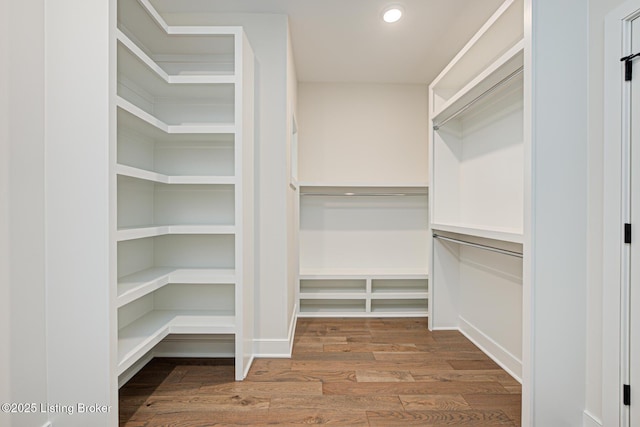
{"x":5,"y":294}
{"x":557,"y":248}
{"x":267,"y":34}
{"x":293,"y":216}
{"x":598,"y":9}
{"x":76,"y":173}
{"x":363,"y":133}
{"x":25,"y":96}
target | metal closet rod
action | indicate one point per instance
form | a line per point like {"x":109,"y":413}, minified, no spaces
{"x":479,"y":97}
{"x":478,"y":245}
{"x":349,"y":194}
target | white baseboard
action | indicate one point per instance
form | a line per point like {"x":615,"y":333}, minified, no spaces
{"x":495,"y":351}
{"x":247,"y":367}
{"x":278,"y":347}
{"x":589,"y":420}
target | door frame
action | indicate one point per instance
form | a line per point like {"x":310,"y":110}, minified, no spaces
{"x":615,"y":212}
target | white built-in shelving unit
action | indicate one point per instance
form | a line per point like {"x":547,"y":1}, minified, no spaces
{"x":477,"y":188}
{"x":477,"y":143}
{"x":363,"y":250}
{"x":182,"y":188}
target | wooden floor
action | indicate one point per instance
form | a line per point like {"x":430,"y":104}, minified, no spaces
{"x":344,"y":372}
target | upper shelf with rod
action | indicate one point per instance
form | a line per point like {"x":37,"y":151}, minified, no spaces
{"x":492,"y":55}
{"x":351,"y":189}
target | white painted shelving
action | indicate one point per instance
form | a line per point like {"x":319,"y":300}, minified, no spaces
{"x":477,"y":140}
{"x":182,"y":186}
{"x":363,"y":250}
{"x":477,"y":188}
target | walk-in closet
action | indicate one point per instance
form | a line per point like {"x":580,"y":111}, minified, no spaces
{"x":263,"y":212}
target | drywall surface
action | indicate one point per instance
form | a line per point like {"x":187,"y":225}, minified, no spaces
{"x":363,"y":133}
{"x":293,"y":217}
{"x":559,"y":221}
{"x":25,"y":207}
{"x":76,"y":177}
{"x":5,"y":293}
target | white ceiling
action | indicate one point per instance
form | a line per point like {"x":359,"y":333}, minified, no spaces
{"x":347,"y":41}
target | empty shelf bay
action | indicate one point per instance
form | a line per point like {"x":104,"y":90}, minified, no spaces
{"x":137,"y":285}
{"x":139,"y":337}
{"x":182,"y":128}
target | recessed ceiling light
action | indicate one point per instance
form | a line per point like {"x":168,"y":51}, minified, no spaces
{"x":392,"y":14}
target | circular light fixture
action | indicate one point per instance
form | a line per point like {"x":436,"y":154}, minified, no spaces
{"x":392,"y":14}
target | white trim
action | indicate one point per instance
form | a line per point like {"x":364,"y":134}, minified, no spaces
{"x":47,"y":424}
{"x":292,"y":327}
{"x":613,"y":214}
{"x":589,"y":420}
{"x":491,"y":348}
{"x":445,"y":328}
{"x":279,"y":347}
{"x":247,"y":367}
{"x":155,"y":15}
{"x":528,"y":271}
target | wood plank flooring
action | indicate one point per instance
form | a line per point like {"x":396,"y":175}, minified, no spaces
{"x":343,"y":372}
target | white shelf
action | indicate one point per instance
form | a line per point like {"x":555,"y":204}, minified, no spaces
{"x":172,"y":103}
{"x":142,"y":335}
{"x":162,"y":230}
{"x":139,"y":284}
{"x":146,"y":175}
{"x":357,"y":273}
{"x":185,"y":128}
{"x":502,"y":31}
{"x":332,"y":296}
{"x":339,"y":189}
{"x":183,"y":189}
{"x":507,"y":64}
{"x":201,"y":50}
{"x":144,"y":146}
{"x":172,"y":79}
{"x":399,"y":295}
{"x":495,"y":233}
{"x":416,"y":307}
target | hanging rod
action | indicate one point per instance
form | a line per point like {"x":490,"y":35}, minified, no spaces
{"x":479,"y":97}
{"x":350,"y":194}
{"x":478,"y":245}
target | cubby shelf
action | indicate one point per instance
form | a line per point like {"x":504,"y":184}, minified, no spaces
{"x":137,"y":285}
{"x":139,"y":337}
{"x":363,"y":292}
